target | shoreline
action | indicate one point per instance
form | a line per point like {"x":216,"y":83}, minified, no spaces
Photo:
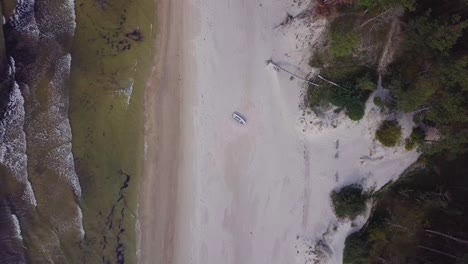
{"x":217,"y":192}
{"x":164,"y":96}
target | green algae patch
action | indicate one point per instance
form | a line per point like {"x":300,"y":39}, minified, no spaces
{"x":111,"y":60}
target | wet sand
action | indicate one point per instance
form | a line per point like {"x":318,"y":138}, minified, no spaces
{"x":163,"y":107}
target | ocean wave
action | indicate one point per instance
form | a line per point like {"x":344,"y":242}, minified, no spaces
{"x":13,"y":142}
{"x":36,"y":135}
{"x":49,"y":128}
{"x":51,"y":24}
{"x":23,"y":20}
{"x":17,"y":227}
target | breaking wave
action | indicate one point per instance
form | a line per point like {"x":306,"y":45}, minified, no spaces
{"x":17,"y":227}
{"x":13,"y":143}
{"x":35,"y":133}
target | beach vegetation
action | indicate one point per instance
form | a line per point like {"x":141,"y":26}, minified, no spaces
{"x":389,"y":133}
{"x":418,"y":218}
{"x":343,"y":44}
{"x":416,"y":138}
{"x":349,"y":202}
{"x":421,"y":218}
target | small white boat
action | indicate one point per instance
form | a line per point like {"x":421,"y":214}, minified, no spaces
{"x":239,"y":118}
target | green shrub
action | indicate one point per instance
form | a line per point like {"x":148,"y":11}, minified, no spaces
{"x":348,"y":100}
{"x":378,"y":102}
{"x":417,"y":135}
{"x":433,"y":36}
{"x":365,"y":84}
{"x":353,"y":103}
{"x":389,"y":133}
{"x":417,"y":94}
{"x":349,"y":202}
{"x":409,"y":145}
{"x":343,"y":43}
{"x":416,"y":138}
{"x":356,"y":249}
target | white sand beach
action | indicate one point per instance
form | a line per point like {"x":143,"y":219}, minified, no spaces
{"x":217,"y":192}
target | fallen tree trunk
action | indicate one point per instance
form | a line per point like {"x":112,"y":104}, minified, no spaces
{"x":459,"y":240}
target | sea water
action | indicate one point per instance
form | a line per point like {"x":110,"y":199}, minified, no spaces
{"x":71,"y":128}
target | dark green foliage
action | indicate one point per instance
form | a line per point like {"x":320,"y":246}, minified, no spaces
{"x":387,"y":103}
{"x":355,"y":84}
{"x":355,"y":250}
{"x":343,"y":43}
{"x":429,"y":77}
{"x":454,"y":73}
{"x":349,"y":202}
{"x":343,"y":64}
{"x":417,"y":135}
{"x":349,"y":100}
{"x":433,"y":198}
{"x":416,"y":95}
{"x":430,"y":35}
{"x":365,"y":84}
{"x":389,"y":133}
{"x":432,"y":73}
{"x":416,"y":138}
{"x":378,"y":102}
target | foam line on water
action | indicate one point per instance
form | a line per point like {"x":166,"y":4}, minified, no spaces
{"x":17,"y":227}
{"x":13,"y":142}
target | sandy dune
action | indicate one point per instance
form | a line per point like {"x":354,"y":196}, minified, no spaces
{"x":218,"y":192}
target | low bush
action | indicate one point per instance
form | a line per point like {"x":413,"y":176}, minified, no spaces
{"x":378,"y":102}
{"x":351,"y":101}
{"x":343,"y":43}
{"x":416,"y":138}
{"x":349,"y":202}
{"x":366,"y":84}
{"x":389,"y":133}
{"x":355,"y":250}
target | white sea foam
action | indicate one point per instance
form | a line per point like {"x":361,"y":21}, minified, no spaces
{"x":13,"y":142}
{"x":58,"y":140}
{"x":45,"y":122}
{"x":52,"y":24}
{"x":17,"y":227}
{"x":24,"y":20}
{"x":29,"y":195}
{"x":80,"y":221}
{"x":126,"y":92}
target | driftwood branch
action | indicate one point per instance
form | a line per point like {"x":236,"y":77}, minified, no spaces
{"x":438,"y":251}
{"x":459,"y":240}
{"x":277,"y":67}
{"x":289,"y":18}
{"x":332,"y":83}
{"x":396,"y":225}
{"x":328,"y":81}
{"x":377,"y":16}
{"x":421,"y":110}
